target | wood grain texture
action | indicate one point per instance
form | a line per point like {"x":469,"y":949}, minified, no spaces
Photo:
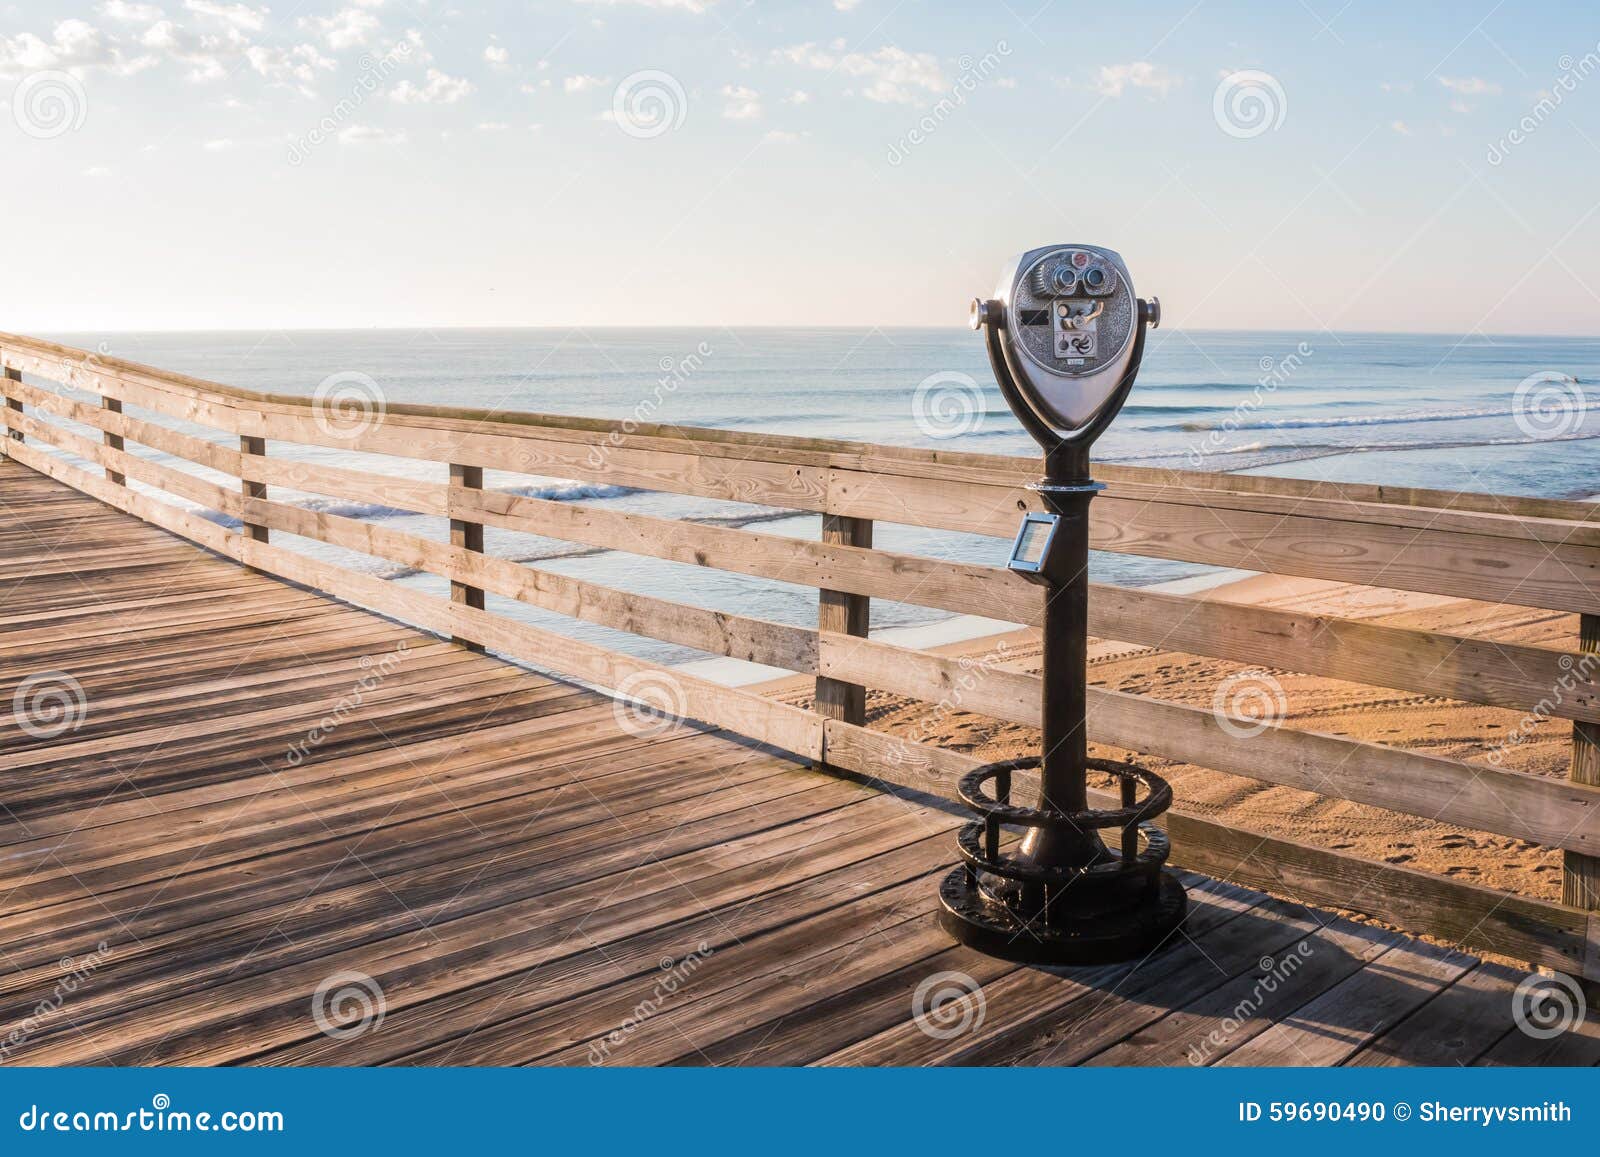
{"x":266,"y":788}
{"x":1580,"y":871}
{"x":846,"y":614}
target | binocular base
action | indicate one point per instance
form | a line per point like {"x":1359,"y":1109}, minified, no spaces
{"x":1125,"y":932}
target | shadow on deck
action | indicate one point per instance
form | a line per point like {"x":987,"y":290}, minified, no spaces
{"x":245,"y":823}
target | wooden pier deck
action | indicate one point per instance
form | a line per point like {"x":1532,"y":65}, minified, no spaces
{"x":273,"y":805}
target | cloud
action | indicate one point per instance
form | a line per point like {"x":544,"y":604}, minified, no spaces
{"x":695,"y":6}
{"x":1401,"y":127}
{"x":1114,"y":79}
{"x":1470,"y":85}
{"x":347,"y":28}
{"x":894,"y":75}
{"x":492,"y":126}
{"x":437,"y":88}
{"x":74,"y":46}
{"x":299,"y":64}
{"x":782,"y":137}
{"x":359,"y":134}
{"x":744,"y":104}
{"x":798,"y":96}
{"x":1395,"y":85}
{"x":582,"y":83}
{"x":846,"y":5}
{"x":497,"y":55}
{"x":203,"y":54}
{"x":239,"y":16}
{"x":125,"y":13}
{"x":97,"y":172}
{"x":218,"y":146}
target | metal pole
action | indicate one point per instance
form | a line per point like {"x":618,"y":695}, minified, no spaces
{"x":1067,"y":491}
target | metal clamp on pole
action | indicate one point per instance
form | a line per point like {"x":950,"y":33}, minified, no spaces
{"x":1066,"y":337}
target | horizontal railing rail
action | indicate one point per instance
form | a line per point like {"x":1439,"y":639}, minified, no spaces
{"x":1528,"y":552}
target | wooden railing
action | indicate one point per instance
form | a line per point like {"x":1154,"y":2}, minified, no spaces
{"x":1530,"y":552}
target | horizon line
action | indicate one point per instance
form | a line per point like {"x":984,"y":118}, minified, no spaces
{"x":414,"y":328}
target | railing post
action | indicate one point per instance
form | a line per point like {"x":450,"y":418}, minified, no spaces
{"x":844,"y":614}
{"x":113,"y":441}
{"x":14,"y":403}
{"x":1580,"y":874}
{"x":251,"y":444}
{"x":467,"y":536}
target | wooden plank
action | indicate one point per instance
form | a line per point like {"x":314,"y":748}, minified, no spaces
{"x":1473,"y":669}
{"x":1331,"y":1028}
{"x":1553,"y":565}
{"x":1475,"y":796}
{"x":247,"y":1014}
{"x":114,"y":441}
{"x":844,"y":614}
{"x":813,"y":480}
{"x":1580,"y":872}
{"x":177,"y":482}
{"x":466,"y":535}
{"x":1204,"y":1030}
{"x":257,"y":447}
{"x":715,"y":632}
{"x":831,"y":566}
{"x":744,"y":948}
{"x":13,"y":403}
{"x":1454,"y":1028}
{"x":741,"y":711}
{"x":1429,"y":662}
{"x":1031,"y":1012}
{"x":868,"y":1024}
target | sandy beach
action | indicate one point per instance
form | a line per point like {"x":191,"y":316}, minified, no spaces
{"x":1419,"y":722}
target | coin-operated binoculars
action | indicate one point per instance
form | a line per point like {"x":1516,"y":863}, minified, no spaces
{"x":1065,"y":335}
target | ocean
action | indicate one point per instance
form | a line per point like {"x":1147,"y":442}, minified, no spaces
{"x":1511,"y":415}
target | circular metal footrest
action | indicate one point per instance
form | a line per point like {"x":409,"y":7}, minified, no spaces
{"x":979,"y":843}
{"x":1002,"y":809}
{"x":1063,"y":896}
{"x":979,"y":849}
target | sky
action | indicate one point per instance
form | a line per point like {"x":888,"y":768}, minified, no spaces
{"x":1309,"y":165}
